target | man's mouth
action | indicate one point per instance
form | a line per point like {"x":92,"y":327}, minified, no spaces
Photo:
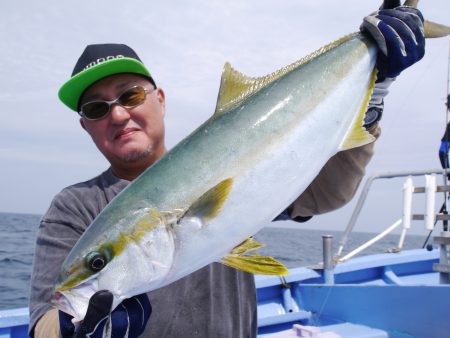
{"x":125,"y":133}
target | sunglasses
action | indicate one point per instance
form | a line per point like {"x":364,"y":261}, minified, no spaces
{"x":130,"y":98}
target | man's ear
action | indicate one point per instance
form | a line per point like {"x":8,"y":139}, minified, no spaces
{"x":82,"y":124}
{"x":162,"y":99}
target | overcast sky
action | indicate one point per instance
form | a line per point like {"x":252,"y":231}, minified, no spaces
{"x":185,"y":44}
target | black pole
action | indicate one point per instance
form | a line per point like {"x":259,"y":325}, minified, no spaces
{"x":445,"y":222}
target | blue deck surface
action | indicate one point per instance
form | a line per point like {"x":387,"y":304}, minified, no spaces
{"x":397,"y":294}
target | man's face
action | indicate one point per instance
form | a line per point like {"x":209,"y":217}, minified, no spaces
{"x":127,"y":137}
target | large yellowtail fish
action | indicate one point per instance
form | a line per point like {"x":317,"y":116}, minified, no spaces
{"x":267,"y":140}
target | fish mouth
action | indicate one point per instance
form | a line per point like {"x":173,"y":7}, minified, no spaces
{"x":63,"y":304}
{"x":75,"y":301}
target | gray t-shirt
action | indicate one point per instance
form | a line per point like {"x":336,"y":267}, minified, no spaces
{"x":216,"y":301}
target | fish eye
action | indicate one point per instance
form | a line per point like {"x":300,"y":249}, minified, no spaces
{"x":96,"y":261}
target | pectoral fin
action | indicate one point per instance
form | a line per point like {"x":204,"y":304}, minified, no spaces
{"x":210,"y":203}
{"x":253,"y":263}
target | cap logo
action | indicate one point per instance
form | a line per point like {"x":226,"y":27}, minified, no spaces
{"x":101,"y":60}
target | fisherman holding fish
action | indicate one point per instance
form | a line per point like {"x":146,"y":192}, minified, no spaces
{"x":122,"y":109}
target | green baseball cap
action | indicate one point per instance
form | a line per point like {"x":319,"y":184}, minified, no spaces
{"x":97,"y":62}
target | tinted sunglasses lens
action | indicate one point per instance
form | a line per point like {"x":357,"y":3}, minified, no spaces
{"x":95,"y":110}
{"x":132,"y":97}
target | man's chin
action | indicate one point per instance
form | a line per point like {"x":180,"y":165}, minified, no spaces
{"x":134,"y":155}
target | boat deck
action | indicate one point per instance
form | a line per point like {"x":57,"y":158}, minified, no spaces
{"x":382,"y":295}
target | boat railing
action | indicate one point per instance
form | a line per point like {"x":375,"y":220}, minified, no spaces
{"x":430,"y":217}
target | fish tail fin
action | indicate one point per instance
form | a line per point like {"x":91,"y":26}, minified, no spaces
{"x":435,"y":30}
{"x":432,"y":29}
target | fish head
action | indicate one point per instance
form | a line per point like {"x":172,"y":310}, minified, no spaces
{"x":127,"y":261}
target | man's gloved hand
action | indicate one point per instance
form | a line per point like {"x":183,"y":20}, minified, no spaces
{"x":127,"y":320}
{"x":399,"y":34}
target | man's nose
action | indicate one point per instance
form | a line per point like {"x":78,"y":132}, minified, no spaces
{"x":119,"y":114}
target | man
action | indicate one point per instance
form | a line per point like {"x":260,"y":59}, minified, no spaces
{"x":122,"y":109}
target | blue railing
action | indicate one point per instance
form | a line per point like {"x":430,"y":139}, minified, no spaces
{"x":14,"y":323}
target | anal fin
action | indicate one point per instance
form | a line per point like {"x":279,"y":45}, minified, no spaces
{"x":253,"y":263}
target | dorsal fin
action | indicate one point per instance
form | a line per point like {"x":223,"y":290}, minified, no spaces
{"x":233,"y":85}
{"x":236,"y":87}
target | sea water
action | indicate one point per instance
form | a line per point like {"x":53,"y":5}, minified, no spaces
{"x":294,"y":247}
